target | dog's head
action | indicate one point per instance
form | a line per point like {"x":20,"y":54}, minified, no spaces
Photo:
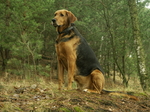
{"x":63,"y":18}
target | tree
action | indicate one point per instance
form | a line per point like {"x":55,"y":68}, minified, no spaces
{"x":5,"y":35}
{"x":138,"y":45}
{"x":22,"y":35}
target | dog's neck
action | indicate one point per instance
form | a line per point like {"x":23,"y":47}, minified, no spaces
{"x":64,"y":34}
{"x":64,"y":29}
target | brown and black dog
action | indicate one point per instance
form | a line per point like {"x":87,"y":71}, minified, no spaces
{"x":76,"y":56}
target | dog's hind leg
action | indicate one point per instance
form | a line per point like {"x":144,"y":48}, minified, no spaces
{"x":97,"y":82}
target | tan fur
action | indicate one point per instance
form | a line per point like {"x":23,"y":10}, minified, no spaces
{"x":66,"y":56}
{"x":93,"y":83}
{"x":63,"y":20}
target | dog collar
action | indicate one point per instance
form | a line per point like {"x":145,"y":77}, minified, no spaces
{"x":66,"y":30}
{"x":65,"y":33}
{"x":64,"y":39}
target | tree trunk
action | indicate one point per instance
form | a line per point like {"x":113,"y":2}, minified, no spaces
{"x":114,"y":54}
{"x":138,"y":44}
{"x":4,"y":52}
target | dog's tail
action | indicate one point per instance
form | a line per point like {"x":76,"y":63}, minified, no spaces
{"x":120,"y":93}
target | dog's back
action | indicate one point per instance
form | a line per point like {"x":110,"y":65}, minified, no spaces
{"x":86,"y":60}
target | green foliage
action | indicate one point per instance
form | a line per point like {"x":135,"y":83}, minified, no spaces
{"x":22,"y":33}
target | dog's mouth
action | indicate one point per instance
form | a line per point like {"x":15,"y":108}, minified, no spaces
{"x":54,"y":23}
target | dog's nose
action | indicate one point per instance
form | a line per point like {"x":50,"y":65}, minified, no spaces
{"x":53,"y":20}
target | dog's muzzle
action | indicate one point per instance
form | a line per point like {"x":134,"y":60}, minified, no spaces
{"x":54,"y":20}
{"x":54,"y":23}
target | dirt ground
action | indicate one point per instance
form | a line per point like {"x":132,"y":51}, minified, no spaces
{"x":29,"y":97}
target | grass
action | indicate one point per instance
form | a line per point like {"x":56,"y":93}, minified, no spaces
{"x":8,"y":83}
{"x":133,"y":85}
{"x":42,"y":94}
{"x":7,"y":93}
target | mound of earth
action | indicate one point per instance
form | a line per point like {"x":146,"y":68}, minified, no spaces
{"x":39,"y":99}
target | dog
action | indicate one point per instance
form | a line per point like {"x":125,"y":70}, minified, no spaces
{"x":75,"y":56}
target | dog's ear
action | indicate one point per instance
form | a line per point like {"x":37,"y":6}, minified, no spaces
{"x":71,"y":17}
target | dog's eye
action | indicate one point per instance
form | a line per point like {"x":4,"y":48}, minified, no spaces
{"x":61,"y":15}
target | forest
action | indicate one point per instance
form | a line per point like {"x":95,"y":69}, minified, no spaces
{"x":117,"y":30}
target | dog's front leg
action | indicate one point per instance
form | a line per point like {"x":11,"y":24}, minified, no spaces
{"x":71,"y":72}
{"x":60,"y":75}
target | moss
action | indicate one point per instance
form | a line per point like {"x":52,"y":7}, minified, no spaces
{"x":78,"y":109}
{"x":64,"y":110}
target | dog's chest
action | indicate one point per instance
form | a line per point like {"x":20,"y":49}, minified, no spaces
{"x":66,"y":51}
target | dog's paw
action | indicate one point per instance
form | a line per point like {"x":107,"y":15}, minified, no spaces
{"x":86,"y":90}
